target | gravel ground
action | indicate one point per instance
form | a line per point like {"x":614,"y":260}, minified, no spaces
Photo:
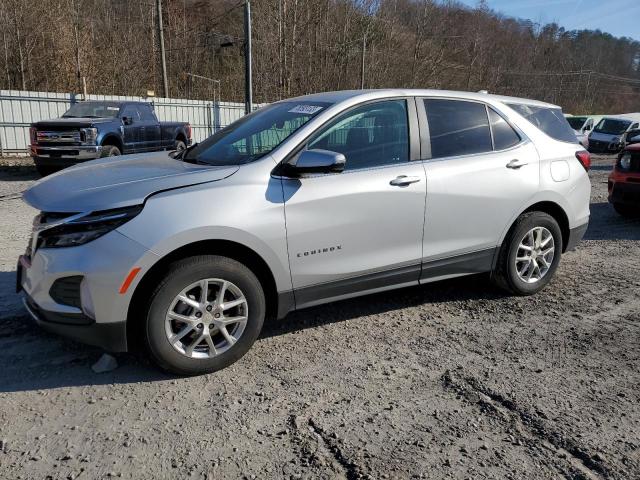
{"x":449,"y":380}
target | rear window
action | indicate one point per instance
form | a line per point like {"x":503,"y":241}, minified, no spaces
{"x":549,"y":120}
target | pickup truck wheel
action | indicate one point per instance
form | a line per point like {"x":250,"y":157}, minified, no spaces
{"x":180,"y":145}
{"x":110,"y":151}
{"x":529,"y":255}
{"x":204,"y":315}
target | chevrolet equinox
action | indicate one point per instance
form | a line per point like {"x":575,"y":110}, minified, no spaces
{"x":302,"y":202}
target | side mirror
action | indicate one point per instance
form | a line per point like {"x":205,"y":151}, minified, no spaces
{"x":127,"y":120}
{"x":315,"y":161}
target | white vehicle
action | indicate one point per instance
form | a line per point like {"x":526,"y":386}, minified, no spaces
{"x":583,"y":125}
{"x":608,"y":134}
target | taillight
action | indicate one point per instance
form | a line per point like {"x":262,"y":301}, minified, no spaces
{"x":188,"y":127}
{"x":584,"y":158}
{"x":32,"y":135}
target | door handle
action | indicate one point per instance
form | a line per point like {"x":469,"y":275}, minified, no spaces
{"x":515,"y":164}
{"x":403,"y":181}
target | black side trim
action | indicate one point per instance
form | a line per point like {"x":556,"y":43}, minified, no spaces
{"x":465,"y":264}
{"x":286,"y":303}
{"x":575,"y":236}
{"x":362,"y":284}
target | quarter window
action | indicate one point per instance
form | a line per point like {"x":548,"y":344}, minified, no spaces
{"x":457,"y":127}
{"x":504,"y":136}
{"x":369,"y":136}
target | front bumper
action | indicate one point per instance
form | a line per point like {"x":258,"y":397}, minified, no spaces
{"x":103,"y":264}
{"x":109,"y":336}
{"x":64,"y":156}
{"x":625,"y":193}
{"x":600,"y":146}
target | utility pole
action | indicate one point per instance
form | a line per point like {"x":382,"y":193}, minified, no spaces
{"x":364,"y":49}
{"x":165,"y":83}
{"x":248,"y":82}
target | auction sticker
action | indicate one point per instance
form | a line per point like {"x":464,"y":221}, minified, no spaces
{"x":308,"y":109}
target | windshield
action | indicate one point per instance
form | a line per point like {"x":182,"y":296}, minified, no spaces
{"x":612,"y":126}
{"x":576,"y":122}
{"x":255,"y":135}
{"x":93,"y":110}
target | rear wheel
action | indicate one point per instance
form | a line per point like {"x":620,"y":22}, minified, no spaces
{"x":180,"y":145}
{"x":626,"y":210}
{"x":530,"y":254}
{"x":204,"y":315}
{"x":110,"y":151}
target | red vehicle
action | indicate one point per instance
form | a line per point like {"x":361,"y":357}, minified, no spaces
{"x":624,"y":182}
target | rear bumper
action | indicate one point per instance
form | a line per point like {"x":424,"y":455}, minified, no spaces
{"x":575,"y":236}
{"x":109,"y":336}
{"x":63,"y":156}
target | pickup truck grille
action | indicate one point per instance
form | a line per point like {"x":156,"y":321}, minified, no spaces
{"x":52,"y":137}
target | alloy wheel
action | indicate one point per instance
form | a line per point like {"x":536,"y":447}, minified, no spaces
{"x":535,"y":255}
{"x":206,"y":318}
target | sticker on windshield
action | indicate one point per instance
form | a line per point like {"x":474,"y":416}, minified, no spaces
{"x":113,"y":108}
{"x":308,"y":109}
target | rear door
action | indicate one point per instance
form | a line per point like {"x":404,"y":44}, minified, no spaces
{"x":359,"y":230}
{"x":480,"y":171}
{"x":151,"y":136}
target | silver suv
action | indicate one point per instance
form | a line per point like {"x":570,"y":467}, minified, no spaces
{"x":305,"y":201}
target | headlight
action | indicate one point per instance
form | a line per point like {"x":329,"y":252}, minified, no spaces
{"x":89,"y":135}
{"x":625,"y":161}
{"x":85,"y":229}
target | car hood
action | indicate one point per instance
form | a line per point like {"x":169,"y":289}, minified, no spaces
{"x":118,"y":182}
{"x":72,"y":122}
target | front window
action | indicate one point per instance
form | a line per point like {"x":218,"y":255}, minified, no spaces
{"x":255,"y":135}
{"x":612,"y":126}
{"x":93,"y":110}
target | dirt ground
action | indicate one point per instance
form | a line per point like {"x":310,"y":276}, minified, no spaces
{"x":448,"y":380}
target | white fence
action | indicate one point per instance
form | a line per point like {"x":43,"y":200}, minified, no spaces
{"x":18,"y":109}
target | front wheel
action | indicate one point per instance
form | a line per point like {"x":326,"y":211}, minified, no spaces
{"x":530,"y":254}
{"x":110,"y":151}
{"x":204,"y":315}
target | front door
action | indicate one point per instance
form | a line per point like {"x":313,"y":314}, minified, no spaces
{"x":480,"y":172}
{"x":359,"y":230}
{"x":132,"y":129}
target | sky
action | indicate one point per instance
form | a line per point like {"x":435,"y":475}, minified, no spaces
{"x":620,"y":18}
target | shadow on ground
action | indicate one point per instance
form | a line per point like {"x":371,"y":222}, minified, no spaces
{"x":606,"y":224}
{"x":35,"y":360}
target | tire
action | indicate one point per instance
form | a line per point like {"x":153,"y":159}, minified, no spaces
{"x":46,"y":170}
{"x":179,"y":145}
{"x":626,"y":210}
{"x":507,"y":276}
{"x":182,"y":275}
{"x":110,"y":151}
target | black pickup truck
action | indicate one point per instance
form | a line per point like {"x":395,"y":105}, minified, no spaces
{"x":95,"y":129}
